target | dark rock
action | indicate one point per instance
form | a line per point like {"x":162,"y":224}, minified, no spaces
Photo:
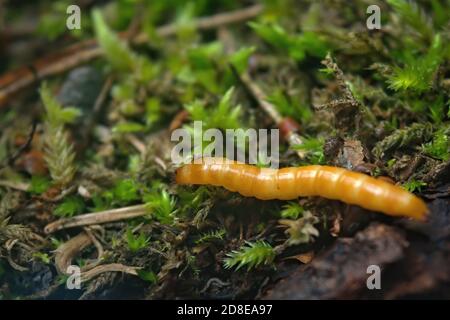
{"x":341,"y":272}
{"x":81,"y":88}
{"x":437,"y":227}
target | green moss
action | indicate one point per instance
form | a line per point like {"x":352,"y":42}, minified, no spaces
{"x":251,"y":255}
{"x":414,"y":185}
{"x":59,"y":152}
{"x":161,"y":205}
{"x":39,"y":184}
{"x":296,"y":46}
{"x":292,"y":210}
{"x":418,"y":72}
{"x":136,"y":242}
{"x":117,"y":52}
{"x":439,"y":147}
{"x":223,"y":116}
{"x":69,"y":207}
{"x":211,"y":236}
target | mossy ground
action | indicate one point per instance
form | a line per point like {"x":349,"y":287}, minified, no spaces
{"x":98,"y":138}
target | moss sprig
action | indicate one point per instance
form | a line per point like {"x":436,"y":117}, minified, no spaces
{"x":250,"y":255}
{"x":59,"y":152}
{"x":408,"y":136}
{"x":410,"y":13}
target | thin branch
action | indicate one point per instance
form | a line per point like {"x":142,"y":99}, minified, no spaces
{"x":98,"y":245}
{"x":62,"y":194}
{"x":261,"y":97}
{"x":206,"y":23}
{"x":66,"y":252}
{"x":113,"y":267}
{"x":21,"y":186}
{"x":9,"y":246}
{"x":98,"y":218}
{"x":136,"y":143}
{"x":73,"y":247}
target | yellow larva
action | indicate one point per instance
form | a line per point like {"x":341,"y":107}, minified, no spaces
{"x":290,"y":183}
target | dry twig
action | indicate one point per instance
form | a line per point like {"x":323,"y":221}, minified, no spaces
{"x":287,"y":125}
{"x":97,"y":218}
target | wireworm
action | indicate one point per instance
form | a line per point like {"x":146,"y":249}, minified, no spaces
{"x":315,"y":180}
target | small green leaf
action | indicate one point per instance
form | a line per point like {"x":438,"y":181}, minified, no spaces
{"x":71,"y":206}
{"x":39,"y":184}
{"x":56,"y":114}
{"x":223,"y":116}
{"x":273,"y":34}
{"x":211,"y":236}
{"x":42,"y":257}
{"x":136,"y":243}
{"x":161,"y":205}
{"x":288,"y":108}
{"x":410,"y":13}
{"x":201,"y":57}
{"x":414,"y":185}
{"x":148,"y":276}
{"x":313,"y":148}
{"x":252,"y":254}
{"x":292,"y":210}
{"x":239,"y":59}
{"x":296,"y":46}
{"x":439,"y":147}
{"x":70,"y":114}
{"x":126,"y":191}
{"x":116,"y":51}
{"x":128,"y":127}
{"x":152,"y":111}
{"x":417,"y":74}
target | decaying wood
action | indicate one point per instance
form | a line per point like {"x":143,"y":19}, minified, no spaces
{"x":341,"y":272}
{"x":424,"y":273}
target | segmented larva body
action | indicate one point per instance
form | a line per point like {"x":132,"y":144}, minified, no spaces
{"x":290,"y":183}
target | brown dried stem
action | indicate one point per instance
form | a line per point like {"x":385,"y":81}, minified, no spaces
{"x":97,"y":218}
{"x":293,"y":138}
{"x":70,"y":249}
